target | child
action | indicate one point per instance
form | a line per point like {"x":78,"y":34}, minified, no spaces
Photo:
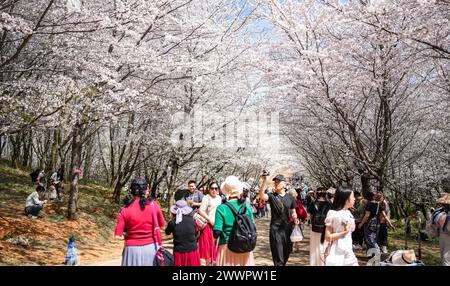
{"x":72,"y":255}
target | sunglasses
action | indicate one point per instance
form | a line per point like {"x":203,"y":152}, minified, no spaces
{"x":213,"y":188}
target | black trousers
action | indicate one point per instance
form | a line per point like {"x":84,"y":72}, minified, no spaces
{"x":358,"y":236}
{"x":280,"y":243}
{"x":383,"y":235}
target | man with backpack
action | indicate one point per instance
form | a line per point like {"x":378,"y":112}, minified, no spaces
{"x":438,"y":225}
{"x":283,"y":207}
{"x":317,"y":213}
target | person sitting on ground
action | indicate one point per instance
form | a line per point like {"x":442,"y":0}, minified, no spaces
{"x":182,"y":225}
{"x":33,"y":204}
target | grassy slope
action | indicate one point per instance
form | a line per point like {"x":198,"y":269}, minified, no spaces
{"x":430,"y":249}
{"x":48,"y":235}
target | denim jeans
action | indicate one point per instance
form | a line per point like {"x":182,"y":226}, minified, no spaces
{"x":33,"y":210}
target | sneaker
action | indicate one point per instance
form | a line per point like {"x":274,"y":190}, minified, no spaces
{"x":32,"y":216}
{"x":384,"y":250}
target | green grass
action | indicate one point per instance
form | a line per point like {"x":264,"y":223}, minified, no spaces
{"x":430,"y":249}
{"x":94,"y":200}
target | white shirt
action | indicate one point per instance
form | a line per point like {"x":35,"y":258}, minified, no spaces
{"x":209,"y":206}
{"x":337,"y":220}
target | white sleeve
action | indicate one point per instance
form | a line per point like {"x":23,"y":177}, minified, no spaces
{"x":204,"y":204}
{"x":330,"y":218}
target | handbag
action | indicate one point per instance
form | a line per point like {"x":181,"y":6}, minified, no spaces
{"x":162,"y":256}
{"x":372,"y":224}
{"x":297,"y":234}
{"x":200,"y":221}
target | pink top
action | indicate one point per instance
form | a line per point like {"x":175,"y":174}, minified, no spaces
{"x":139,"y":223}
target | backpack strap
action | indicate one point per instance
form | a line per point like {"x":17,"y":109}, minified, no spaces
{"x":233,"y":209}
{"x":447,"y":219}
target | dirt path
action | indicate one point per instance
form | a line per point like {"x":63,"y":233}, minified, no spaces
{"x":262,"y":252}
{"x":263,"y":256}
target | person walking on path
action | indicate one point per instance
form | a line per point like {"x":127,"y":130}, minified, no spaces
{"x":383,"y":234}
{"x":358,"y":213}
{"x":210,"y":202}
{"x":193,"y":197}
{"x":182,"y":225}
{"x":317,"y":213}
{"x":301,"y":214}
{"x":338,"y":233}
{"x":371,"y":222}
{"x":232,"y":188}
{"x":282,"y":207}
{"x":33,"y":204}
{"x":142,"y":218}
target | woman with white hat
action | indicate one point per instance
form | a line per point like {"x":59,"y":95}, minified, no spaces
{"x":182,"y":225}
{"x":233,"y":189}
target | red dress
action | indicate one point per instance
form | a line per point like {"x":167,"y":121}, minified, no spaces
{"x":206,"y":247}
{"x":186,"y":258}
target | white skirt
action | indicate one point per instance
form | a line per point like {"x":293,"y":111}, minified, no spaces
{"x":316,"y":249}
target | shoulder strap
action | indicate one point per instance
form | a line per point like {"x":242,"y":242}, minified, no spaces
{"x":447,"y":219}
{"x":156,"y":226}
{"x":233,"y":209}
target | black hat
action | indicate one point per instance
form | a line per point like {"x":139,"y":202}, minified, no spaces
{"x":279,"y":177}
{"x":139,"y":183}
{"x":321,"y":189}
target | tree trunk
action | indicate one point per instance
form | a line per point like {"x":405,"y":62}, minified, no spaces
{"x":117,"y":189}
{"x":75,"y":163}
{"x":15,"y":147}
{"x":53,"y":151}
{"x":365,"y":184}
{"x":171,"y":182}
{"x":88,"y":159}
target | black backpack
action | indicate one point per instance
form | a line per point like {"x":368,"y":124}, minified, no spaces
{"x":34,"y":175}
{"x":243,"y":234}
{"x":318,"y":220}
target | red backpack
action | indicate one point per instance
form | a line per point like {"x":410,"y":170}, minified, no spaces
{"x":301,"y":212}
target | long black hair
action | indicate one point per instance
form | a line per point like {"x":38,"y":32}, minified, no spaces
{"x":137,"y":189}
{"x":340,"y":198}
